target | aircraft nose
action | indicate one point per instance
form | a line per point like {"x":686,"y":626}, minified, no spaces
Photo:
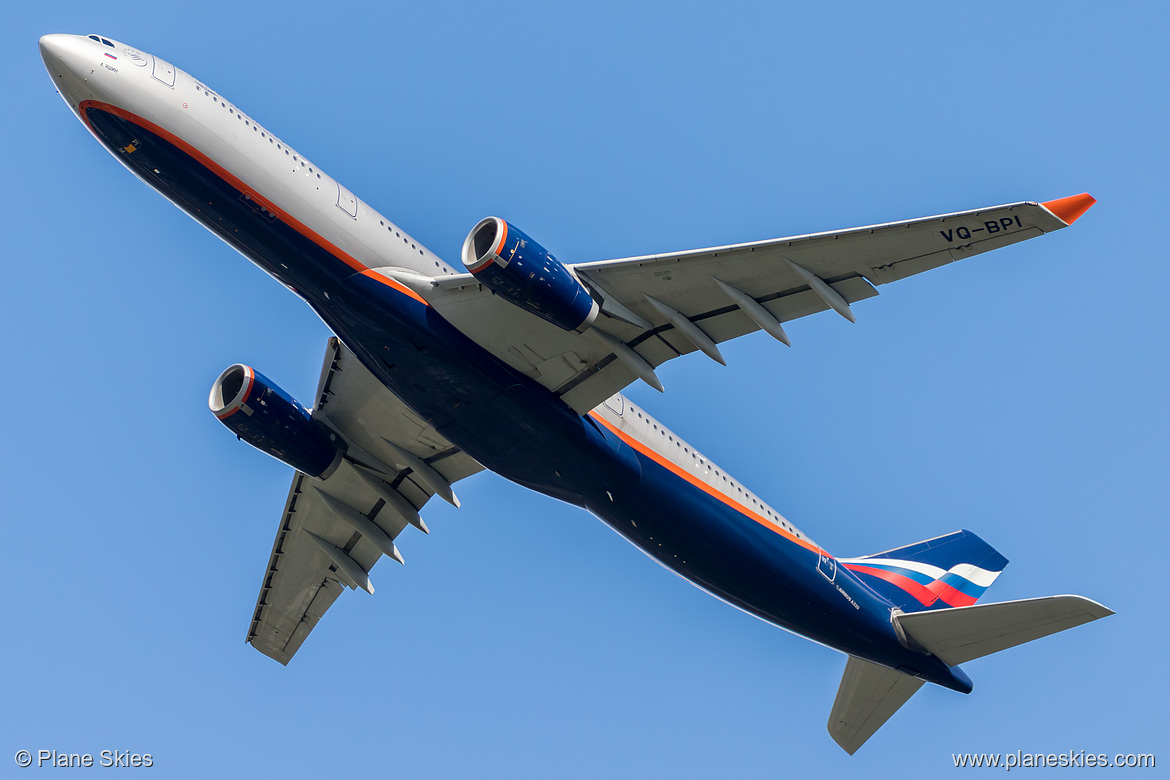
{"x":60,"y":53}
{"x":52,"y":48}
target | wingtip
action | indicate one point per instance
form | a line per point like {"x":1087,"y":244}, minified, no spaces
{"x":1069,"y":210}
{"x":841,"y":741}
{"x":1092,"y":607}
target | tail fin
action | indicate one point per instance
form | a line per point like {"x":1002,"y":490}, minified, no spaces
{"x":947,"y":571}
{"x":870,"y":694}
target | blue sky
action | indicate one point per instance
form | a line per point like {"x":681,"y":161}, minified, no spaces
{"x":1020,"y":394}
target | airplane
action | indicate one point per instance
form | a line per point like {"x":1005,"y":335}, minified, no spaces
{"x":515,"y":363}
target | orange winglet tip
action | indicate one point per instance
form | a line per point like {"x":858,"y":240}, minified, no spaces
{"x":1069,"y":210}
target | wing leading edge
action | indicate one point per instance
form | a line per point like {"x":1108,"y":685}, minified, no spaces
{"x":333,"y":531}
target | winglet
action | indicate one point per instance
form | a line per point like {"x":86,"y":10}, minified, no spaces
{"x":1069,"y":210}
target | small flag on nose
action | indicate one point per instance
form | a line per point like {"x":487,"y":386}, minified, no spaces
{"x":111,"y":56}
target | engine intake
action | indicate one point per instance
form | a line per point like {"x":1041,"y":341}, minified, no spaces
{"x":517,"y":268}
{"x":271,"y":420}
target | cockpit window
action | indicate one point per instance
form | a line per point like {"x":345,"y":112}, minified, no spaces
{"x":101,"y":40}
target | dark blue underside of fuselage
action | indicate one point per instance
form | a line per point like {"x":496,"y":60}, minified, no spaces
{"x":520,"y":430}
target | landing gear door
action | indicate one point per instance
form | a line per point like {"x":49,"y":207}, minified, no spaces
{"x":827,"y":566}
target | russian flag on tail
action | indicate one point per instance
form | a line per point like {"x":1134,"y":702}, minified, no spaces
{"x":948,"y":571}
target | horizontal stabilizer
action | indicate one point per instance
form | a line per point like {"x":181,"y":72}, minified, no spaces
{"x":868,"y":696}
{"x":964,"y":633}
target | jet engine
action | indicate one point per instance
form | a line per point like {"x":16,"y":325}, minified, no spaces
{"x":263,"y":415}
{"x":520,"y":270}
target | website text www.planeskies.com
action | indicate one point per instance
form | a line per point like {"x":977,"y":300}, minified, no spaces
{"x":1071,"y":758}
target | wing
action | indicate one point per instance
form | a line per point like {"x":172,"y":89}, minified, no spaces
{"x":659,"y":307}
{"x":334,"y":530}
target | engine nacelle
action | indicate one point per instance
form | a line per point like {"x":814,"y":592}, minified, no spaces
{"x":260,"y":413}
{"x":517,"y":268}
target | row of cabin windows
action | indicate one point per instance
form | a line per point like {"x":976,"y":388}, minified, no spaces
{"x":696,"y":457}
{"x":280,"y":147}
{"x":256,"y":129}
{"x":405,"y":240}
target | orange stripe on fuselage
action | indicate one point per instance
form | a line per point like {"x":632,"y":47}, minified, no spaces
{"x":399,"y":286}
{"x":224,"y":174}
{"x":678,"y":471}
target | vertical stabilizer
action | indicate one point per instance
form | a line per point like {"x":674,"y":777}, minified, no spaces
{"x":948,"y":571}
